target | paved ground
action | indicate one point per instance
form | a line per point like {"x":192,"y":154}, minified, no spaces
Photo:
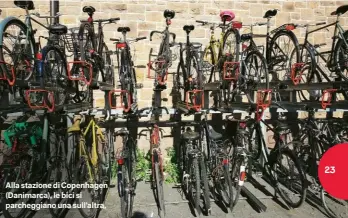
{"x":176,"y":207}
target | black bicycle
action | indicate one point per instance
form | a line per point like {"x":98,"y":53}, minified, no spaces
{"x":164,"y":58}
{"x":314,"y":63}
{"x":127,"y":76}
{"x":94,"y":56}
{"x":189,"y":77}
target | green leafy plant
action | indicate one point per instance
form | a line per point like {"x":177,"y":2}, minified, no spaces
{"x":171,"y":167}
{"x":143,"y":165}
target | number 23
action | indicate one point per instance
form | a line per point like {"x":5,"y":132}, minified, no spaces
{"x":330,"y":169}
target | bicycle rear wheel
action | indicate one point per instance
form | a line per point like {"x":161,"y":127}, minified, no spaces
{"x":194,"y":188}
{"x":159,"y":190}
{"x":336,"y":208}
{"x":291,"y":180}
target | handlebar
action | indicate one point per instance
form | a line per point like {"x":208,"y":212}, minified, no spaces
{"x":159,"y":32}
{"x":110,"y":20}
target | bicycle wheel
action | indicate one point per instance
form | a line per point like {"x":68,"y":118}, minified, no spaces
{"x":159,"y":190}
{"x":341,"y":58}
{"x":254,"y":142}
{"x":123,"y":186}
{"x":336,"y":208}
{"x":228,"y":192}
{"x":291,"y":181}
{"x":209,"y":60}
{"x":205,"y":186}
{"x":194,"y":187}
{"x":235,"y":177}
{"x":282,"y":45}
{"x":55,"y":73}
{"x":86,"y":173}
{"x":126,"y":80}
{"x":17,"y":50}
{"x":107,"y":66}
{"x":196,"y":78}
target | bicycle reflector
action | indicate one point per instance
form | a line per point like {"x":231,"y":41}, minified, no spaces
{"x":196,"y":97}
{"x":124,"y":102}
{"x":242,"y":176}
{"x":263,"y":101}
{"x":327,"y":98}
{"x":297,"y":72}
{"x":231,"y":70}
{"x":289,"y":27}
{"x":3,"y":75}
{"x":40,"y":99}
{"x":237,"y":25}
{"x":121,"y":45}
{"x":82,"y":72}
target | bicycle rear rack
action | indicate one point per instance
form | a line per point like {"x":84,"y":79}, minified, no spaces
{"x":158,"y":70}
{"x":263,"y":101}
{"x":197,"y":105}
{"x":327,"y":98}
{"x":296,"y":73}
{"x":81,"y":76}
{"x":121,"y":103}
{"x":231,"y":70}
{"x":43,"y":104}
{"x":11,"y":82}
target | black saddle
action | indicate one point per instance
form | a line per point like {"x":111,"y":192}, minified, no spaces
{"x":214,"y":135}
{"x":88,"y":9}
{"x":58,"y":29}
{"x":242,"y":132}
{"x":188,"y":28}
{"x":340,"y":10}
{"x":169,"y":14}
{"x":122,"y":132}
{"x":190,"y":135}
{"x":281,"y":127}
{"x":123,"y":29}
{"x":270,"y":13}
{"x":246,"y":37}
{"x":25,"y":4}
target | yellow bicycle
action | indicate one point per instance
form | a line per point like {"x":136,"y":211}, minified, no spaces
{"x":90,"y":150}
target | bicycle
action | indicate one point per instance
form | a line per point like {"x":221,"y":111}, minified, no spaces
{"x":94,"y":56}
{"x":335,"y":58}
{"x":288,"y":179}
{"x":281,"y":58}
{"x":126,"y":157}
{"x":310,"y":146}
{"x":127,"y":73}
{"x":189,"y":84}
{"x":164,"y":58}
{"x":194,"y":179}
{"x":87,"y":159}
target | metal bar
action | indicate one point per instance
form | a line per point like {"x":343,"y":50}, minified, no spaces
{"x":54,"y":9}
{"x":320,"y":28}
{"x":253,"y":199}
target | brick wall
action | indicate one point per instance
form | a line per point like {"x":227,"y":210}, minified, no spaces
{"x":142,"y":16}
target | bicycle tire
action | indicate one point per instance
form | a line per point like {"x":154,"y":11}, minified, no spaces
{"x":206,"y":192}
{"x":159,"y":190}
{"x":125,"y":71}
{"x":197,"y":64}
{"x":209,"y":51}
{"x":80,"y":173}
{"x":31,"y":55}
{"x":340,"y":52}
{"x":108,"y":70}
{"x":340,"y":207}
{"x":56,"y":80}
{"x":270,"y":50}
{"x":302,"y":190}
{"x":235,"y":174}
{"x":236,"y":34}
{"x":254,"y":147}
{"x":196,"y":185}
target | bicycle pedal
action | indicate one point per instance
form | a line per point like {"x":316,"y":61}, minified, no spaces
{"x":258,"y":174}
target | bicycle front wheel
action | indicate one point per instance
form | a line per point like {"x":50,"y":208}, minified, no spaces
{"x":159,"y":190}
{"x":291,"y":182}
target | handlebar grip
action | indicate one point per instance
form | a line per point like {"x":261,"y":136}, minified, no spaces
{"x":320,"y":23}
{"x":114,"y":19}
{"x":140,"y":38}
{"x":263,"y":23}
{"x":200,"y":21}
{"x":114,"y":39}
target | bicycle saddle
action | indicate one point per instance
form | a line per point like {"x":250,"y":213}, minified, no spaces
{"x":190,"y":135}
{"x":25,"y":4}
{"x":270,"y":13}
{"x":169,"y":14}
{"x":227,"y":15}
{"x":123,"y":29}
{"x":58,"y":29}
{"x":340,"y":10}
{"x":188,"y":28}
{"x":281,"y":127}
{"x":88,"y":9}
{"x":246,"y":37}
{"x":122,"y":132}
{"x":214,"y":135}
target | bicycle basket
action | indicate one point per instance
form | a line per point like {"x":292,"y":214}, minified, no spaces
{"x":73,"y":37}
